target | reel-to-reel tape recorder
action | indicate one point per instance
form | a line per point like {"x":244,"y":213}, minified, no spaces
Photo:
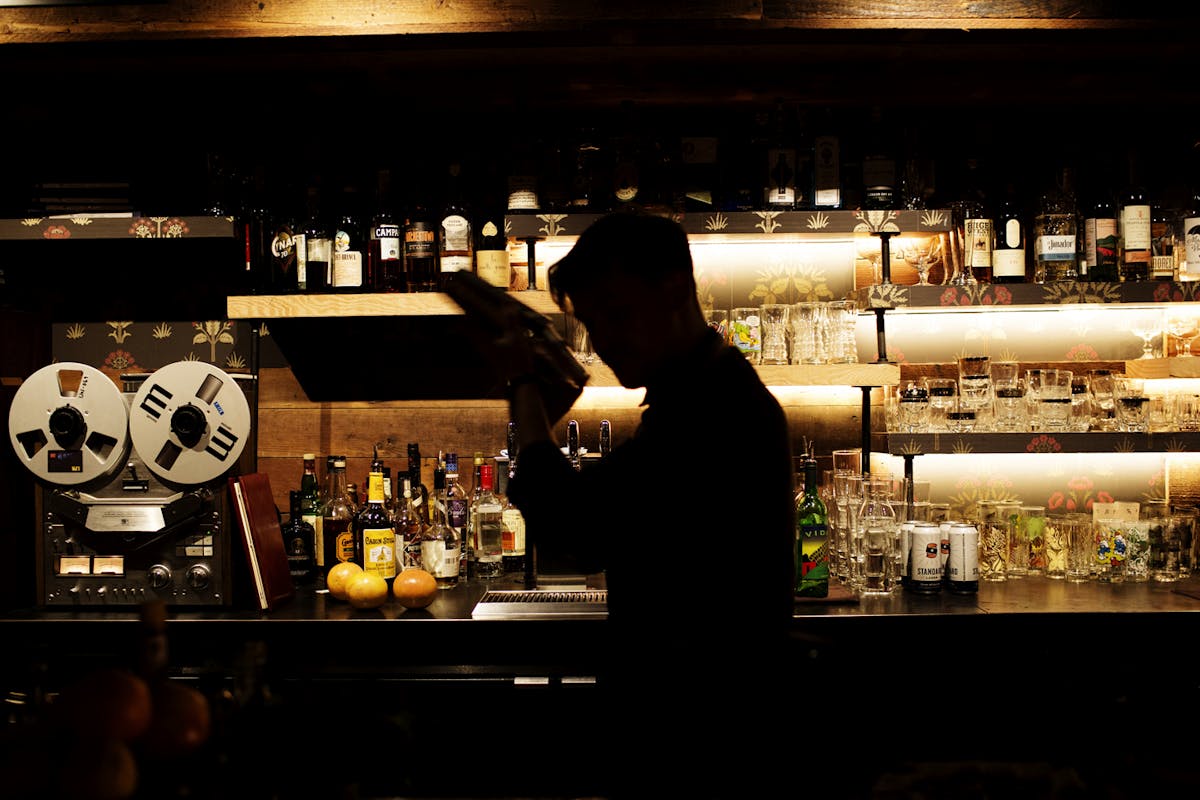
{"x":131,"y":482}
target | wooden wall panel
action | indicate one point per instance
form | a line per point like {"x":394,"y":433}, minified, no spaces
{"x":289,"y":426}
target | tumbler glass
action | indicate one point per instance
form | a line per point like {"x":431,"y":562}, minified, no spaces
{"x":774,"y":329}
{"x":1132,"y":405}
{"x":1054,"y":399}
{"x":1055,"y":538}
{"x":942,"y":395}
{"x":1081,"y":546}
{"x":746,"y":331}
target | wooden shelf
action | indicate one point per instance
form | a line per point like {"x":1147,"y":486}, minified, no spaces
{"x":371,"y":304}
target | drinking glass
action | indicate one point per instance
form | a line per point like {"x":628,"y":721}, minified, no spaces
{"x":1055,"y":538}
{"x":1081,"y":546}
{"x":847,"y":461}
{"x":746,"y":331}
{"x":1104,"y":413}
{"x":1132,"y":404}
{"x":1164,"y":542}
{"x":842,"y":319}
{"x":993,"y":543}
{"x":809,"y":332}
{"x":1187,"y":410}
{"x":923,"y":255}
{"x":974,"y":383}
{"x":1081,"y":403}
{"x":718,"y":320}
{"x":578,"y":340}
{"x":1033,"y":528}
{"x":1008,"y":517}
{"x":1162,"y":411}
{"x":913,"y":410}
{"x":1008,"y":391}
{"x":1147,"y":327}
{"x":1054,"y":399}
{"x":774,"y":329}
{"x":1184,"y":328}
{"x":941,"y":399}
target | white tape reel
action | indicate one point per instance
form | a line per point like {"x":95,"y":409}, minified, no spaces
{"x":68,"y":424}
{"x":189,"y":422}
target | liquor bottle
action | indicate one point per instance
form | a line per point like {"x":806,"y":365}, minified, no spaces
{"x":522,"y":179}
{"x":390,"y":502}
{"x":385,"y":262}
{"x":476,"y":475}
{"x":878,"y":164}
{"x":1163,"y":221}
{"x":420,"y":492}
{"x":491,"y":245}
{"x":699,"y":180}
{"x":587,"y":181}
{"x":827,"y":163}
{"x":347,"y":266}
{"x":410,"y":531}
{"x":284,"y":231}
{"x":299,"y":541}
{"x":812,"y":537}
{"x":318,"y":245}
{"x":1134,"y":220}
{"x":1102,"y":237}
{"x":1055,"y":230}
{"x":458,"y":513}
{"x":1008,"y":254}
{"x":374,"y":534}
{"x":456,"y":242}
{"x":441,"y":546}
{"x":627,"y":155}
{"x":781,"y":172}
{"x":312,"y":512}
{"x":1191,"y":238}
{"x":977,"y":226}
{"x":420,"y":248}
{"x":512,"y":519}
{"x":487,"y":529}
{"x":254,"y":228}
{"x":337,"y":518}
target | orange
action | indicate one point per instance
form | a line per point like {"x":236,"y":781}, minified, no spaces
{"x":414,"y":588}
{"x":109,"y":702}
{"x":367,"y":590}
{"x":98,"y":769}
{"x":182,"y":720}
{"x":339,"y":574}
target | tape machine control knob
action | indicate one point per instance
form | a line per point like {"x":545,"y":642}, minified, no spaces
{"x":198,"y":577}
{"x":67,"y":427}
{"x":159,"y":576}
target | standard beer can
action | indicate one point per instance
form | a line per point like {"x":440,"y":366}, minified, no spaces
{"x":925,"y":558}
{"x":944,"y":543}
{"x":963,"y":566}
{"x":906,"y":529}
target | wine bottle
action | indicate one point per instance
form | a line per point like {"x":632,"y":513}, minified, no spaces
{"x":456,"y":242}
{"x":318,"y":245}
{"x":827,"y":163}
{"x":1191,"y":237}
{"x":421,"y":496}
{"x":879,"y":165}
{"x":1134,"y":220}
{"x":1008,"y":255}
{"x":1102,"y":240}
{"x":812,"y":537}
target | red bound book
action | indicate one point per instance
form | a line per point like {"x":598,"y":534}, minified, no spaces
{"x":258,"y":520}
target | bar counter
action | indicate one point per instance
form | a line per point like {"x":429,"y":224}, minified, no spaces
{"x":1025,"y":677}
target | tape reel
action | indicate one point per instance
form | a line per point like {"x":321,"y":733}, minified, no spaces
{"x":68,"y":424}
{"x":189,"y":422}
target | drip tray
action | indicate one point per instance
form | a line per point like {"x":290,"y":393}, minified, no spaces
{"x":542,"y":604}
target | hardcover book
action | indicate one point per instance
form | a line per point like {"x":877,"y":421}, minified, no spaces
{"x":258,"y":521}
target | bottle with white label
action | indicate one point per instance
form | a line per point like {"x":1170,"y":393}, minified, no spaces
{"x":1055,"y":227}
{"x":346,"y":268}
{"x":1189,"y":268}
{"x":1008,"y":254}
{"x":1134,"y":220}
{"x":456,"y":245}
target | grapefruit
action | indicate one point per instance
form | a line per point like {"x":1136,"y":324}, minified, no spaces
{"x":414,"y":588}
{"x":339,"y":574}
{"x":182,"y":720}
{"x":366,"y":590}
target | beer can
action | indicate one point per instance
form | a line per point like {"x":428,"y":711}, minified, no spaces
{"x":963,"y":566}
{"x":925,"y":559}
{"x":944,"y":543}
